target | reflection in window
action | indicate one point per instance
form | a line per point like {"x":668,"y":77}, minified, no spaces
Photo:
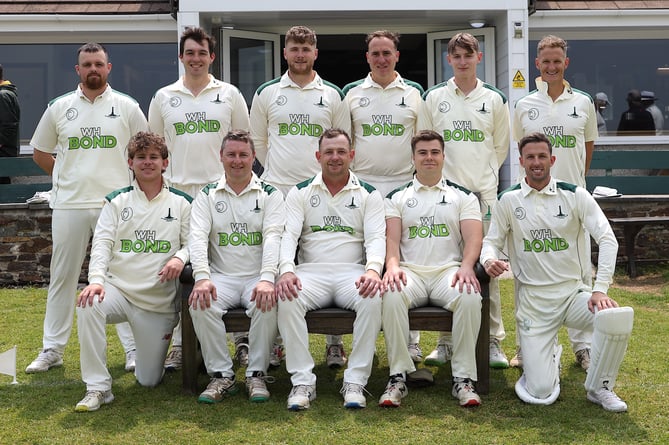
{"x":615,"y":68}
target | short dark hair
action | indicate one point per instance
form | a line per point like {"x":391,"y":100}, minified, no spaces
{"x":238,"y":135}
{"x":92,"y":47}
{"x":199,"y":35}
{"x":144,"y":140}
{"x":301,"y":34}
{"x":534,"y":138}
{"x":332,"y":133}
{"x":393,"y":36}
{"x":426,"y":135}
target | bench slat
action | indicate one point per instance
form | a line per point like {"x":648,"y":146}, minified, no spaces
{"x":631,"y":185}
{"x":20,"y":166}
{"x":629,"y":159}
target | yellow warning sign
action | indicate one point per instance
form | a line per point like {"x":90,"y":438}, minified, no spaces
{"x":518,"y":80}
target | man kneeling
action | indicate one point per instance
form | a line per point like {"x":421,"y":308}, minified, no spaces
{"x":139,"y":250}
{"x":427,"y":222}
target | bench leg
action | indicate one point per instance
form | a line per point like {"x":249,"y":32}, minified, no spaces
{"x":189,"y":351}
{"x":630,"y":232}
{"x":483,"y":348}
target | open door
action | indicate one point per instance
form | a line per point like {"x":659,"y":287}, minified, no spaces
{"x":438,"y":69}
{"x":249,"y":59}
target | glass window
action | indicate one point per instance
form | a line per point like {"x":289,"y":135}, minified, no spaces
{"x":42,"y":72}
{"x":615,"y":67}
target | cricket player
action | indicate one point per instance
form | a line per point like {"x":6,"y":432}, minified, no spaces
{"x":473,"y":118}
{"x":541,"y":220}
{"x":236,"y":228}
{"x":139,"y":250}
{"x":338,"y":223}
{"x":433,"y":241}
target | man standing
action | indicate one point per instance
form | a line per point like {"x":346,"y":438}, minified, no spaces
{"x":541,"y":220}
{"x":473,"y":118}
{"x":337,"y":222}
{"x":288,"y":115}
{"x":568,"y":117}
{"x":10,"y":115}
{"x":234,"y":243}
{"x":194,"y":114}
{"x":139,"y":250}
{"x":88,"y":129}
{"x":384,"y":108}
{"x":433,"y":241}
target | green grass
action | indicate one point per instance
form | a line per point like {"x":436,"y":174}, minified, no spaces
{"x":40,"y":410}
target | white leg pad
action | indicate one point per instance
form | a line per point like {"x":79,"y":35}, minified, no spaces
{"x":524,"y":395}
{"x":612,"y":331}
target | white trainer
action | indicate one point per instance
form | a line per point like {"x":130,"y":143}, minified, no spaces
{"x":93,"y":400}
{"x":354,"y":395}
{"x":300,"y":397}
{"x":440,"y":355}
{"x":395,"y":391}
{"x":335,"y":357}
{"x":608,"y":400}
{"x":130,"y":359}
{"x":173,"y":359}
{"x":217,"y":389}
{"x":498,"y":359}
{"x":463,"y":390}
{"x":45,"y":360}
{"x":277,"y":355}
{"x":517,"y":360}
{"x":257,"y":388}
{"x":415,"y":352}
{"x":583,"y":358}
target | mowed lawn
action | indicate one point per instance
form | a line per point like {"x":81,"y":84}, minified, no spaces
{"x":40,"y":409}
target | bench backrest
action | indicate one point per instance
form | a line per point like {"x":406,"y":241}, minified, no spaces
{"x":627,"y":182}
{"x":21,"y":166}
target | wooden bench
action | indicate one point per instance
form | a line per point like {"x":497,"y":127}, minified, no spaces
{"x":334,"y":321}
{"x":631,"y":228}
{"x":631,"y":172}
{"x":19,"y":192}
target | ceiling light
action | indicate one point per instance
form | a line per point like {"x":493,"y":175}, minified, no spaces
{"x":477,"y":23}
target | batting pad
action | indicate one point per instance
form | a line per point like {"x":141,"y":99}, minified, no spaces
{"x":524,"y":395}
{"x":612,"y":331}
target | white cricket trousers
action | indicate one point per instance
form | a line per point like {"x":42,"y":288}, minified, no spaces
{"x":233,"y":292}
{"x":71,"y":232}
{"x":434,"y":290}
{"x":152,"y":332}
{"x":540,"y":313}
{"x":329,"y":285}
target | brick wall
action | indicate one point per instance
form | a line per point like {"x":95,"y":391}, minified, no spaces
{"x":25,"y":237}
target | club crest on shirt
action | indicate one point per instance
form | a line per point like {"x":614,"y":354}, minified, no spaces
{"x":315,"y":201}
{"x":320,"y":103}
{"x":169,"y":217}
{"x":352,"y":205}
{"x":483,"y":109}
{"x":126,"y":214}
{"x":71,"y":114}
{"x":443,"y":201}
{"x":533,"y":114}
{"x":217,"y":100}
{"x":281,"y":100}
{"x":175,"y":101}
{"x":412,"y":202}
{"x":574,"y":114}
{"x":113,"y":115}
{"x":363,"y":102}
{"x":560,"y":214}
{"x":402,"y":104}
{"x":257,"y":208}
{"x":444,"y":107}
{"x":519,"y":213}
{"x":221,"y":206}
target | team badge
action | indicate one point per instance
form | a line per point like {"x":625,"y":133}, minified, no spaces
{"x":412,"y":202}
{"x":519,"y":213}
{"x":221,"y":206}
{"x":175,"y":101}
{"x":533,"y":114}
{"x":112,"y":114}
{"x":402,"y":104}
{"x":364,"y":102}
{"x":574,"y":114}
{"x":444,"y":107}
{"x":483,"y":109}
{"x":169,"y":217}
{"x":217,"y":100}
{"x":560,"y":214}
{"x":320,"y":103}
{"x":315,"y":201}
{"x":257,"y":208}
{"x":352,"y":205}
{"x":71,"y":114}
{"x":443,"y":201}
{"x":126,"y":214}
{"x":281,"y":100}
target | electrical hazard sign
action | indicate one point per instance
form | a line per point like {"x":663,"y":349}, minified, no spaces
{"x":519,"y":80}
